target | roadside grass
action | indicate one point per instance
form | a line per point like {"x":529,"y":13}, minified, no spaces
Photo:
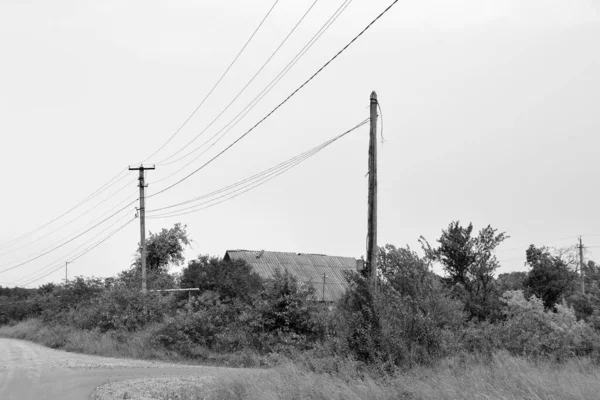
{"x":503,"y":378}
{"x":138,"y":345}
{"x":470,"y":377}
{"x":131,"y":345}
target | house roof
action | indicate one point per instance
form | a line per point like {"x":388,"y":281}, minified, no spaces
{"x":307,"y":268}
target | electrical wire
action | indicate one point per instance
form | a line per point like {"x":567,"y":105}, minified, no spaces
{"x":263,"y":178}
{"x":233,"y":122}
{"x":247,"y":179}
{"x":71,"y":221}
{"x":106,"y":185}
{"x":216,"y":84}
{"x":266,"y":173}
{"x":545,"y":243}
{"x":280,"y":104}
{"x":163,"y":162}
{"x":93,"y":222}
{"x":83,"y":253}
{"x":67,"y":242}
{"x":67,"y":256}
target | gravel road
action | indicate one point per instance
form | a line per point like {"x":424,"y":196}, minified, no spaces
{"x":30,"y":371}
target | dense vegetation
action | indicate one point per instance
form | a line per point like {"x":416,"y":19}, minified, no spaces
{"x":416,"y":319}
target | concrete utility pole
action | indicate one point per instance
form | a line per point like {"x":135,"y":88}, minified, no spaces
{"x":66,"y":270}
{"x":372,"y":248}
{"x":581,"y":266}
{"x":142,"y":185}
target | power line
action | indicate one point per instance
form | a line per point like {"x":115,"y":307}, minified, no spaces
{"x":163,"y":162}
{"x":91,"y":223}
{"x":216,"y":84}
{"x":71,"y":221}
{"x":235,"y":120}
{"x":527,"y":245}
{"x":280,"y":104}
{"x":283,"y":164}
{"x":67,"y":242}
{"x":69,"y":254}
{"x":106,"y":185}
{"x":263,"y":177}
{"x":83,"y":253}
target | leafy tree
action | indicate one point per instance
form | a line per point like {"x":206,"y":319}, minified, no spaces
{"x":550,"y":277}
{"x":78,"y":292}
{"x":404,"y":268}
{"x":164,"y":249}
{"x":155,"y":279}
{"x":470,"y":264}
{"x":511,"y":281}
{"x":229,"y":278}
{"x":47,"y":288}
{"x":284,"y":306}
{"x":412,"y":318}
{"x":531,"y":329}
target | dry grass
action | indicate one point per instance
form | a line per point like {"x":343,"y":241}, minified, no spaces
{"x":462,"y":378}
{"x":504,"y":378}
{"x":132,"y":345}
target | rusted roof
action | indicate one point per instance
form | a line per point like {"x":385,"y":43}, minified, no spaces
{"x":307,"y":268}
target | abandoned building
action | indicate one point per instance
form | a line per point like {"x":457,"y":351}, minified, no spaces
{"x":324,"y":273}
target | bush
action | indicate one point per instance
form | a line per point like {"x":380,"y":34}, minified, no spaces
{"x":120,"y":308}
{"x":530,"y":330}
{"x":393,"y":329}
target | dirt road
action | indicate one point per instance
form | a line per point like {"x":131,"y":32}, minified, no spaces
{"x":30,"y":371}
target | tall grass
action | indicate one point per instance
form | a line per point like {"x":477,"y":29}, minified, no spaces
{"x":111,"y":344}
{"x":503,"y":378}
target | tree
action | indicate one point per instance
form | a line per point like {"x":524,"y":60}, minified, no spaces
{"x":229,"y":278}
{"x":284,"y":306}
{"x":410,"y":319}
{"x":164,"y":249}
{"x":406,"y":272}
{"x":550,"y":277}
{"x":469,"y":263}
{"x":511,"y":281}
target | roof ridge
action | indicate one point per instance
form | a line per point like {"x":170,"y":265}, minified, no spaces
{"x":285,"y":252}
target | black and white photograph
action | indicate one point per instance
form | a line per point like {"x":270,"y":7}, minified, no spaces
{"x":300,"y":199}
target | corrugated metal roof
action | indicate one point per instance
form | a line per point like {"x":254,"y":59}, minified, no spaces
{"x":307,"y":268}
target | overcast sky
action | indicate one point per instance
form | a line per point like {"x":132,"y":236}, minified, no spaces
{"x":490,"y":115}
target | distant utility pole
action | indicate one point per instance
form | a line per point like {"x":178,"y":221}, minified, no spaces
{"x":142,"y":185}
{"x":323,"y":296}
{"x":66,"y":270}
{"x":581,"y":266}
{"x":372,"y":248}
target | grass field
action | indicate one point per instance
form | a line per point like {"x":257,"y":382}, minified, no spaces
{"x":134,"y":345}
{"x":471,"y":378}
{"x":504,"y":378}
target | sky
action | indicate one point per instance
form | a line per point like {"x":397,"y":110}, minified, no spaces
{"x":489,"y":115}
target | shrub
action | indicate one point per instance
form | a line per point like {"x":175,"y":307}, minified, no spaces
{"x":395,"y":329}
{"x":120,"y":308}
{"x":530,"y":330}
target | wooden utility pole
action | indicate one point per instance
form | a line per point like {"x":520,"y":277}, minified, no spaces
{"x":372,"y":248}
{"x":323,"y":296}
{"x":581,"y":266}
{"x":142,"y":185}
